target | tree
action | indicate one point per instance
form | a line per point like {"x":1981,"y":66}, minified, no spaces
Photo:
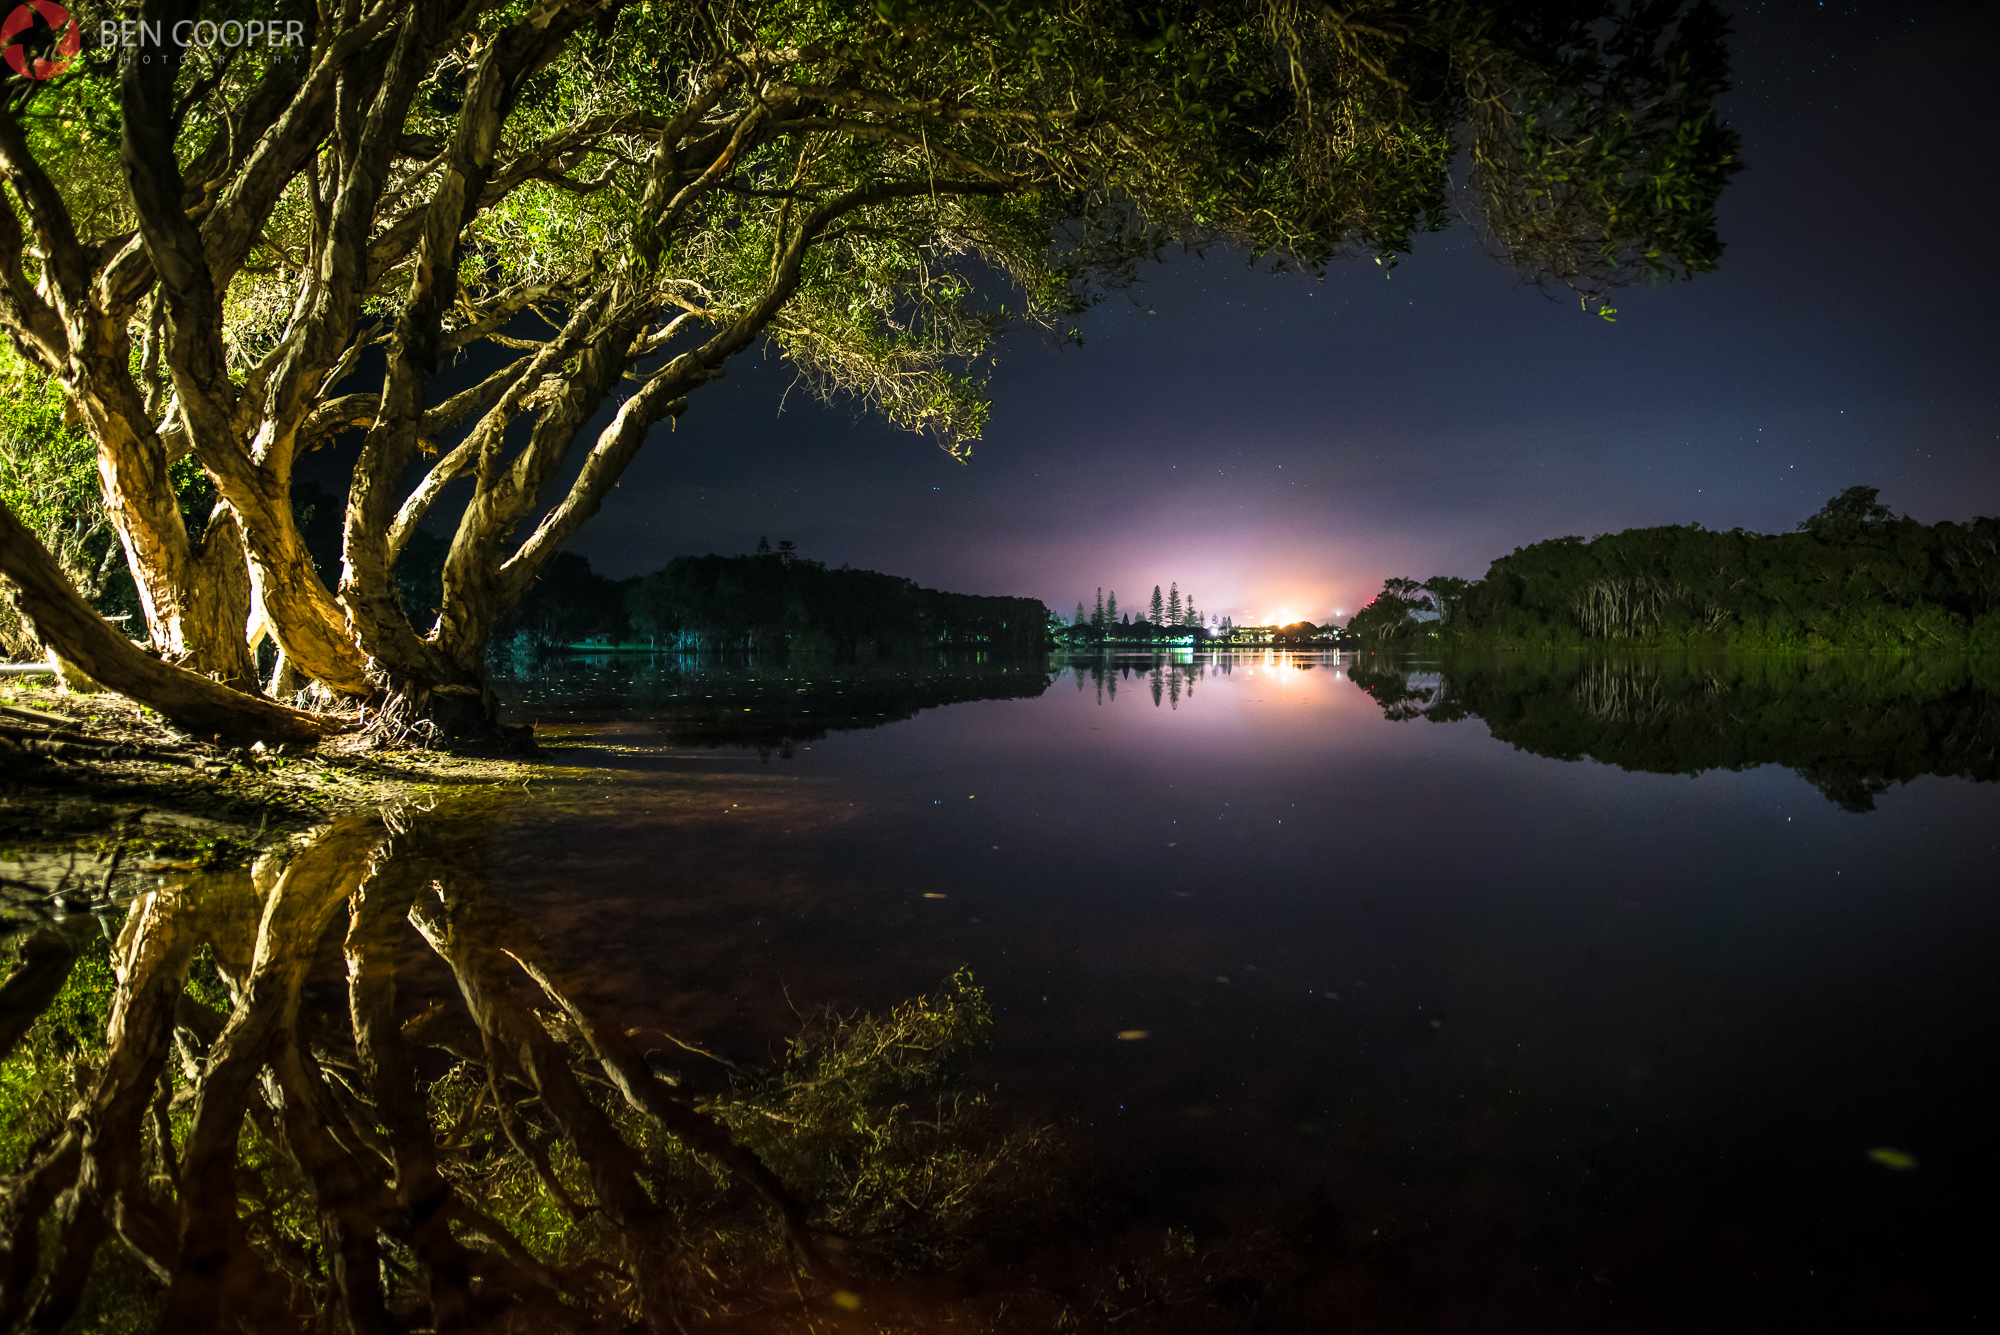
{"x":1156,"y":610}
{"x":1847,"y":516}
{"x":1111,"y":608}
{"x":594,"y":205}
{"x":1392,"y":614}
{"x":569,"y":602}
{"x":1447,"y":596}
{"x":1864,"y":580}
{"x":1080,"y":618}
{"x":1174,"y":606}
{"x":652,"y":611}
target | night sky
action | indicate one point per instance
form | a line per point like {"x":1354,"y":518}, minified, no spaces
{"x":1278,"y":445}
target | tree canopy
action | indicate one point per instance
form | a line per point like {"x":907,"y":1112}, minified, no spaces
{"x":493,"y":246}
{"x":1854,"y":576}
{"x":778,"y":601}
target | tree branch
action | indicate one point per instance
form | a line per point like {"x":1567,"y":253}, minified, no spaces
{"x":192,"y":701}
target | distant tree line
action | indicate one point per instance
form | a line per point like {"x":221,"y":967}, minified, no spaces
{"x":772,"y":599}
{"x":1169,"y":617}
{"x":1300,"y":634}
{"x":779,"y":600}
{"x":1853,"y":576}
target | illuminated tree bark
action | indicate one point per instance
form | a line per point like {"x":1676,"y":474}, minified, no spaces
{"x":605,"y":202}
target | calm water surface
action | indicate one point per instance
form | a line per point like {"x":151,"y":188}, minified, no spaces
{"x":1505,"y":1041}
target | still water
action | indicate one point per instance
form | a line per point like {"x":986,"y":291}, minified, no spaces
{"x":1564,"y":996}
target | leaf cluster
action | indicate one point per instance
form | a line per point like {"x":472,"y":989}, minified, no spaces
{"x":1853,"y":578}
{"x":868,"y":1115}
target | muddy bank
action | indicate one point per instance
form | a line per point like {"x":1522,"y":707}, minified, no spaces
{"x":99,"y":797}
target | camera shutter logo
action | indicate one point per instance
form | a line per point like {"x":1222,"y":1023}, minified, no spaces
{"x":68,"y":40}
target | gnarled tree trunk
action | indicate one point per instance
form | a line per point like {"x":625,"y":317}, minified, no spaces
{"x":215,"y":625}
{"x":71,"y":627}
{"x":195,"y":596}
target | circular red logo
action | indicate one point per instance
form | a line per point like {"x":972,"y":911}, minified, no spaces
{"x":68,"y":40}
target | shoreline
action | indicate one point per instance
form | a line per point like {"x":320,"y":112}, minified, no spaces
{"x":93,"y":824}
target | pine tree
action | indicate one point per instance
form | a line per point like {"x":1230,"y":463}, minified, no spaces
{"x":1097,"y":617}
{"x":1079,"y":614}
{"x":1111,"y":609}
{"x":1153,"y":609}
{"x":1174,"y":606}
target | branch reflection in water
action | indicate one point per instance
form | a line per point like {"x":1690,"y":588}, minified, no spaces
{"x":197,"y":1137}
{"x":1850,"y":724}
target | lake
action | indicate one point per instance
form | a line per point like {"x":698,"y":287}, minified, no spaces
{"x":1513,"y":1041}
{"x":1640,"y":995}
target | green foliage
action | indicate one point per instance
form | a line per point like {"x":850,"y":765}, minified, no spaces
{"x":1598,"y":152}
{"x":40,"y":1077}
{"x":1397,"y":615}
{"x":39,"y":1082}
{"x":203,"y":852}
{"x":501,"y":1182}
{"x":872,"y":190}
{"x":1292,"y":130}
{"x":1854,"y":577}
{"x":868,"y":1117}
{"x":48,"y":478}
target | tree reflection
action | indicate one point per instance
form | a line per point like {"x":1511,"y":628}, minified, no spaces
{"x":194,"y":1140}
{"x":1851,"y":725}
